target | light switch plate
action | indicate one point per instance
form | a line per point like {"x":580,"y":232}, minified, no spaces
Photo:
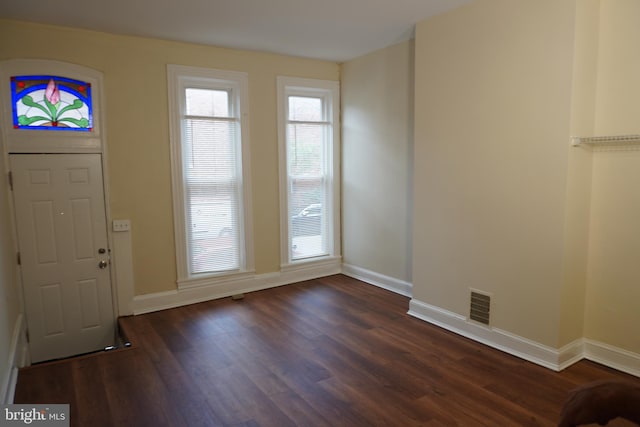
{"x":121,"y":225}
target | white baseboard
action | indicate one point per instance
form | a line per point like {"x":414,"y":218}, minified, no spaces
{"x":555,"y":359}
{"x":226,"y":288}
{"x":570,"y":354}
{"x":493,"y":337}
{"x":18,"y":357}
{"x":380,"y":280}
{"x":613,"y":357}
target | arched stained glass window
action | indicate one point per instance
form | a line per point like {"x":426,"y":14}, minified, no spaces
{"x":51,"y":103}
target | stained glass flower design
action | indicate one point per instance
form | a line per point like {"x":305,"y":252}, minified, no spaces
{"x":51,"y":103}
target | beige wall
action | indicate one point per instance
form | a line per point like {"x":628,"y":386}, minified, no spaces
{"x":613,"y":290}
{"x":377,"y":143}
{"x":578,"y":190}
{"x":9,"y":300}
{"x":618,"y":87}
{"x":138,"y":131}
{"x":502,"y":203}
{"x":492,"y":122}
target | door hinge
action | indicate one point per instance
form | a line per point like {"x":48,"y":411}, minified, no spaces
{"x":18,"y":258}
{"x":10,"y":180}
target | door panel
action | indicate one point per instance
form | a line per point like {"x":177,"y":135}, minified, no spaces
{"x":61,"y":222}
{"x":89,"y":304}
{"x":52,"y":310}
{"x":82,"y":232}
{"x":44,"y":232}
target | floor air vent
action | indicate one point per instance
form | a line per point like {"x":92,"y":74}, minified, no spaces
{"x":480,"y":307}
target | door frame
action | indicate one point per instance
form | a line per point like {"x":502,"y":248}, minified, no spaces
{"x":21,"y":141}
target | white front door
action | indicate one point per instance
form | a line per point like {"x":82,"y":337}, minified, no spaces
{"x":62,"y":238}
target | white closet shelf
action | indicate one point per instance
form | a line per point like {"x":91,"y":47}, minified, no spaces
{"x":605,"y":140}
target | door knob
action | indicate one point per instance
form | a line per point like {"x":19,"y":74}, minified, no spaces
{"x":103,"y":264}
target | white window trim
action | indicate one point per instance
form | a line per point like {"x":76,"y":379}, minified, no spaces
{"x":177,"y":77}
{"x":44,"y":141}
{"x":48,"y":141}
{"x":302,"y":86}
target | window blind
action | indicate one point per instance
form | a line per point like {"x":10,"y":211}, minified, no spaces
{"x":211,"y":171}
{"x":308,"y":134}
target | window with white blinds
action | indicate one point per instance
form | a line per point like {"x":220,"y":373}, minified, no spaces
{"x":208,"y":152}
{"x":308,"y":148}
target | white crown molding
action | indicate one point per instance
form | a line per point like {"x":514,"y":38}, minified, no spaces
{"x":380,"y":280}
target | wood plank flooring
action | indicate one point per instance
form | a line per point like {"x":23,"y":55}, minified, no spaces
{"x":327,"y":352}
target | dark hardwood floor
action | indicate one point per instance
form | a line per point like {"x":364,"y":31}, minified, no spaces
{"x":327,"y":352}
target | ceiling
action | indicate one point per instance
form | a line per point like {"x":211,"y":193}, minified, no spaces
{"x":336,"y":30}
